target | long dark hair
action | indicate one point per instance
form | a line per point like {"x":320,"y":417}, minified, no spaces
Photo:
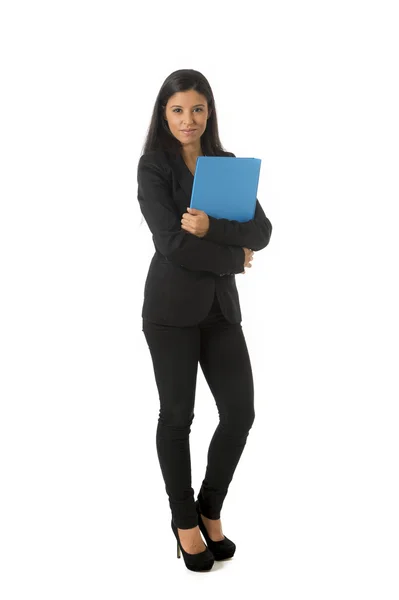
{"x":158,"y":133}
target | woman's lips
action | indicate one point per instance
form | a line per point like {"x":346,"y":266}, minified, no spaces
{"x":189,"y":132}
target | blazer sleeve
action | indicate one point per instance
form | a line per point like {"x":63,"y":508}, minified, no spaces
{"x":176,"y":244}
{"x":254,"y":234}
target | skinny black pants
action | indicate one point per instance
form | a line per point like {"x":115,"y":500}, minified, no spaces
{"x":220,"y":348}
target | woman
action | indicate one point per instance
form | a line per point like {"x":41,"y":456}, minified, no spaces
{"x":191,"y":312}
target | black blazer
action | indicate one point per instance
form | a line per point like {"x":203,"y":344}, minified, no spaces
{"x":186,"y":270}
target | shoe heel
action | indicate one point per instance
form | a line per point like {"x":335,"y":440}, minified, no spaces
{"x":178,"y":550}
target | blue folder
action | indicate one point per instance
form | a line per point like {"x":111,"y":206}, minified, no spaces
{"x":225,"y":187}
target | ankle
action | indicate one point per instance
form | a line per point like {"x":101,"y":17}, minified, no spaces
{"x":192,"y":534}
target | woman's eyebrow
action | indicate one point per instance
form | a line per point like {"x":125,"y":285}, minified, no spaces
{"x":178,"y":105}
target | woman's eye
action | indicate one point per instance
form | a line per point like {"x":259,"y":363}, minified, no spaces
{"x":198,"y":108}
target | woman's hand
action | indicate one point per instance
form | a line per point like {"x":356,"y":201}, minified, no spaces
{"x":196,"y":222}
{"x":249,"y":254}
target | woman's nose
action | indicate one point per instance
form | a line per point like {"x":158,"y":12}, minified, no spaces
{"x":188,"y":120}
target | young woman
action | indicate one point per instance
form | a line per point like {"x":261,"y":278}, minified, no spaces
{"x":191,"y":312}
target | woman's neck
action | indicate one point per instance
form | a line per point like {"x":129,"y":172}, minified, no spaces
{"x":192,"y":155}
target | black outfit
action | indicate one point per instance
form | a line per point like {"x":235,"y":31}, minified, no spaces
{"x":191,"y":314}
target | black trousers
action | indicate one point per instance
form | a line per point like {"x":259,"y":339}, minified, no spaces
{"x":221,"y":350}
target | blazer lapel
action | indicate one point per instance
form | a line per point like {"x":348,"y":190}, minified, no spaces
{"x":183,"y":174}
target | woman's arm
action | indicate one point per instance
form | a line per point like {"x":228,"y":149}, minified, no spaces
{"x":156,"y":204}
{"x":254,"y":234}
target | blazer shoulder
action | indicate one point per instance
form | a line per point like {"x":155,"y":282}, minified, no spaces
{"x":156,"y":157}
{"x":154,"y":163}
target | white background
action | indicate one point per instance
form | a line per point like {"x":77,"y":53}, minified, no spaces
{"x":311,"y":88}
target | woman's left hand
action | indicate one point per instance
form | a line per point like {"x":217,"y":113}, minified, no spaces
{"x":196,"y":222}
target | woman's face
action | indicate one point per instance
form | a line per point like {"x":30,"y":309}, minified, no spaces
{"x":187,"y":111}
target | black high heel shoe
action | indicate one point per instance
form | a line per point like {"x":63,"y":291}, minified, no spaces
{"x":221,"y":550}
{"x":203,"y":561}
